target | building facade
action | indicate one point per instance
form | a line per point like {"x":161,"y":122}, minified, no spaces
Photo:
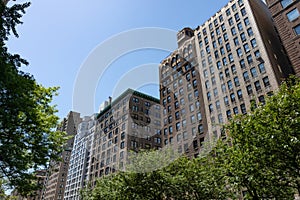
{"x":57,"y":172}
{"x":183,"y":115}
{"x":239,"y":60}
{"x":80,"y":158}
{"x":130,"y":123}
{"x":287,"y":20}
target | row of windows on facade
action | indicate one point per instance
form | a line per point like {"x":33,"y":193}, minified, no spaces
{"x":239,"y":93}
{"x":221,"y":49}
{"x":181,"y":80}
{"x":225,"y":37}
{"x":245,"y":75}
{"x":180,"y":137}
{"x":220,"y":18}
{"x":228,"y":49}
{"x":176,"y":73}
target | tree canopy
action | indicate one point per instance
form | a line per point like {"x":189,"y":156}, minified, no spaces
{"x":28,"y":139}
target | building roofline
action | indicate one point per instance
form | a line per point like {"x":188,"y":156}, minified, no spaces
{"x":125,"y":93}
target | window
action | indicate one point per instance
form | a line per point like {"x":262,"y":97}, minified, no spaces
{"x":210,"y":26}
{"x":243,"y":37}
{"x":212,"y":35}
{"x":237,"y":17}
{"x":286,"y":3}
{"x":266,"y":81}
{"x":211,"y":70}
{"x":218,"y":106}
{"x":293,"y":14}
{"x":205,"y":40}
{"x":236,"y":41}
{"x":221,"y":18}
{"x":218,"y":31}
{"x":236,"y":81}
{"x":250,"y":32}
{"x":220,"y":41}
{"x":192,"y":108}
{"x":246,"y":48}
{"x":205,"y":73}
{"x":235,"y":110}
{"x":246,"y":21}
{"x":261,"y":68}
{"x":240,"y":94}
{"x":249,"y":89}
{"x":227,"y":72}
{"x":241,"y":3}
{"x":222,"y":51}
{"x":230,"y":21}
{"x":228,"y":12}
{"x":228,"y":113}
{"x":228,"y":47}
{"x":261,"y":99}
{"x":221,"y":75}
{"x":229,"y":84}
{"x":253,"y":72}
{"x":230,"y":57}
{"x":253,"y":43}
{"x":207,"y":49}
{"x":243,"y":108}
{"x":223,"y":27}
{"x":215,"y":92}
{"x":178,"y":126}
{"x":223,"y":86}
{"x":216,"y":54}
{"x":243,"y":11}
{"x":214,"y":44}
{"x":213,"y":80}
{"x":220,"y":118}
{"x":226,"y":101}
{"x":246,"y":76}
{"x":297,"y":29}
{"x":257,"y":86}
{"x":233,"y":69}
{"x":199,"y":116}
{"x":224,"y":61}
{"x":207,"y":85}
{"x":232,"y":97}
{"x":219,"y":65}
{"x":211,"y":108}
{"x":233,"y":31}
{"x":249,"y":59}
{"x":216,"y":22}
{"x":242,"y":64}
{"x":239,"y":52}
{"x":257,"y":54}
{"x":225,"y":36}
{"x":233,"y":7}
{"x":240,"y":26}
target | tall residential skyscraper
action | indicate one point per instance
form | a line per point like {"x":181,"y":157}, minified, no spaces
{"x":57,"y":173}
{"x":80,"y":158}
{"x":130,"y":122}
{"x":239,"y":60}
{"x":183,"y":116}
{"x":287,"y":20}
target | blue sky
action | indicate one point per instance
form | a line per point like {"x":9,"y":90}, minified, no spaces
{"x":57,"y":37}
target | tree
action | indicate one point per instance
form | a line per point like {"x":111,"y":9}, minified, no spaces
{"x":264,"y":158}
{"x":28,"y":139}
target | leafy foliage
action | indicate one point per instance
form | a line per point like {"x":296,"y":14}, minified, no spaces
{"x":27,"y":120}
